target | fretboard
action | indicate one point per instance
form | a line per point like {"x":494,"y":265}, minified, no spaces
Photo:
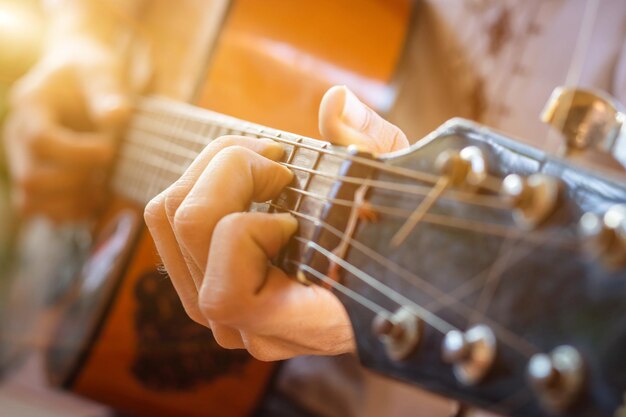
{"x":165,"y":136}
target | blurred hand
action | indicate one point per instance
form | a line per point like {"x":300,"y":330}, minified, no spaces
{"x":218,"y":256}
{"x":60,"y":132}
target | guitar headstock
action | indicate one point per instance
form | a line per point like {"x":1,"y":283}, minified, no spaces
{"x":483,"y":269}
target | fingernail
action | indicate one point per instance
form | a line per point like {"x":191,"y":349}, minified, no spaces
{"x":274,"y":150}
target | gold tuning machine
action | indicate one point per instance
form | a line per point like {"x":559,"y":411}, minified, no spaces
{"x":605,"y":236}
{"x":533,"y":198}
{"x":465,"y":168}
{"x":471,"y":353}
{"x":557,"y":378}
{"x":400,"y":333}
{"x":592,"y":124}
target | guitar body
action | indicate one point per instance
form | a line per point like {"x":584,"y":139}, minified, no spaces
{"x":124,"y":339}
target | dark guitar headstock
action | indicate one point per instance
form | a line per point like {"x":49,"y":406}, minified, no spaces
{"x":485,"y":270}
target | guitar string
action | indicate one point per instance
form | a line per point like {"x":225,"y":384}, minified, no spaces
{"x":521,"y":345}
{"x":513,"y":340}
{"x":432,"y":319}
{"x":416,"y":281}
{"x":244,"y":127}
{"x":478,"y":200}
{"x":260,"y":132}
{"x":494,"y":278}
{"x":474,"y":283}
{"x":455,"y":222}
{"x":156,"y":142}
{"x":470,"y":198}
{"x":449,"y":221}
{"x":353,"y":295}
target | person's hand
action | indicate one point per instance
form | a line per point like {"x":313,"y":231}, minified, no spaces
{"x":218,"y":256}
{"x":60,"y":132}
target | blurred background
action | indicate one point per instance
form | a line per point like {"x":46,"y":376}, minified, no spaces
{"x":21,"y":36}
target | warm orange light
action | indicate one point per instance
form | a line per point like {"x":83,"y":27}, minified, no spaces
{"x":21,"y":33}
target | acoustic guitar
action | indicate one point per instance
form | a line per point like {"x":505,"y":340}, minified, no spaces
{"x":470,"y":264}
{"x":124,"y":339}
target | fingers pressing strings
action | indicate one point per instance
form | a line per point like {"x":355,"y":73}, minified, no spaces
{"x":487,"y":201}
{"x":161,"y":212}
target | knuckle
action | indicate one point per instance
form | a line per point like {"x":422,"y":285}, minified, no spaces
{"x":175,"y":196}
{"x":233,"y":225}
{"x":224,"y":141}
{"x":186,"y":219}
{"x":217,"y":308}
{"x":154,"y":212}
{"x":233,"y":154}
{"x":171,"y":203}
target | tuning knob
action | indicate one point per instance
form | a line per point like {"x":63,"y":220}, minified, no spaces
{"x":533,"y":198}
{"x":592,"y":123}
{"x":587,"y":119}
{"x":471,"y":353}
{"x":605,"y":237}
{"x":400,"y":333}
{"x":466,"y":168}
{"x":557,"y":378}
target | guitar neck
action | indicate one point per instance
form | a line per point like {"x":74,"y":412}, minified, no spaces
{"x":165,"y":136}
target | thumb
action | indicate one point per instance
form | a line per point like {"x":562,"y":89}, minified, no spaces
{"x":107,"y":98}
{"x":345,"y":120}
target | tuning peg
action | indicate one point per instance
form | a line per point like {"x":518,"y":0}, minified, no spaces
{"x":592,"y":123}
{"x":533,"y":198}
{"x":605,"y":236}
{"x":556,"y":378}
{"x":471,"y":353}
{"x":400,"y":333}
{"x":587,"y":119}
{"x":465,"y":168}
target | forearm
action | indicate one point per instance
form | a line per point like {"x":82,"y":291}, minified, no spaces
{"x":102,"y":20}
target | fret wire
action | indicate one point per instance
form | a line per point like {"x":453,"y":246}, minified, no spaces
{"x":159,"y":140}
{"x":486,"y":201}
{"x":172,"y":134}
{"x":155,"y":161}
{"x":309,"y":178}
{"x":292,"y":152}
{"x":470,"y":198}
{"x":136,"y":177}
{"x":210,"y":117}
